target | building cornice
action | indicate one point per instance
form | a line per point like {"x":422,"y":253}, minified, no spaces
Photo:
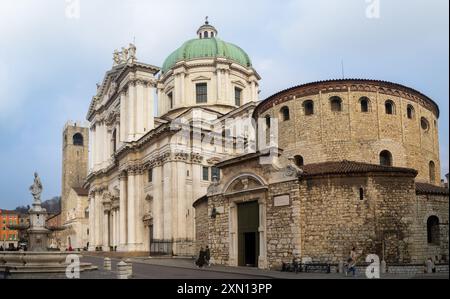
{"x":345,"y":85}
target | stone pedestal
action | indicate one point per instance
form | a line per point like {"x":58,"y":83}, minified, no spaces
{"x":38,"y":233}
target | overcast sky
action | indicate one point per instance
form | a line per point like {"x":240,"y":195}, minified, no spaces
{"x":51,"y":58}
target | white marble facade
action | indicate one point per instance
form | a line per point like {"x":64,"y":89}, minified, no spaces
{"x":142,"y":182}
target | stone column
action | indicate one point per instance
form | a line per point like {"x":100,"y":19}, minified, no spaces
{"x":139,"y":110}
{"x":117,"y":228}
{"x":92,"y":222}
{"x":219,"y":86}
{"x":123,"y":212}
{"x":123,"y":118}
{"x":175,"y":215}
{"x":254,"y":93}
{"x":112,"y":225}
{"x":158,"y":218}
{"x":233,"y":235}
{"x":98,"y":224}
{"x":131,"y":111}
{"x":131,"y":196}
{"x":139,"y":209}
{"x":182,"y":89}
{"x":167,"y":201}
{"x":150,"y":99}
{"x":105,"y":230}
{"x":262,"y":259}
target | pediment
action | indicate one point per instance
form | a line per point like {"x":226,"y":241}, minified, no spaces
{"x":244,"y":183}
{"x":201,"y":78}
{"x":239,"y":83}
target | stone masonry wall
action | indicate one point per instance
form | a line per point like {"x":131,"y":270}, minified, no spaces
{"x":359,"y":136}
{"x":334,"y":218}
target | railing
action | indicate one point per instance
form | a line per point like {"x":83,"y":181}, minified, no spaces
{"x":159,"y":247}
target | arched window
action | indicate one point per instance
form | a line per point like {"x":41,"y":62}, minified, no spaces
{"x":336,"y":104}
{"x":299,"y":161}
{"x":284,"y":114}
{"x":410,"y":111}
{"x":386,"y":158}
{"x":150,"y":175}
{"x":433,"y":232}
{"x":170,"y":100}
{"x":114,"y":141}
{"x":78,"y":139}
{"x":389,"y":107}
{"x":424,"y":124}
{"x":308,"y":106}
{"x":206,"y":34}
{"x":432,"y":170}
{"x":267,"y":121}
{"x":365,"y":104}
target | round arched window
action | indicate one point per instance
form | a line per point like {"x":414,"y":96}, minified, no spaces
{"x":78,"y":139}
{"x":386,"y":158}
{"x":336,"y":104}
{"x":424,"y":124}
{"x":284,"y":114}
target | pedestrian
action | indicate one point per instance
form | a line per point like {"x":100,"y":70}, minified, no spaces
{"x":208,"y":256}
{"x":1,"y":248}
{"x":201,"y":258}
{"x":351,"y":262}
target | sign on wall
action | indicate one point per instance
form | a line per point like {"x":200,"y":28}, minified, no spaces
{"x":281,"y":201}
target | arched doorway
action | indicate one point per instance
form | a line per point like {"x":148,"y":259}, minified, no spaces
{"x":247,"y":194}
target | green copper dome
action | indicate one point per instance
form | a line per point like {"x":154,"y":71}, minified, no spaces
{"x":207,"y":48}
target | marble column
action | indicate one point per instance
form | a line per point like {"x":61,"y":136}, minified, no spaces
{"x":91,"y":222}
{"x":123,"y":212}
{"x":98,"y":224}
{"x":167,"y":201}
{"x":131,"y":111}
{"x":139,"y":209}
{"x":117,"y":219}
{"x":140,"y":121}
{"x":158,"y":214}
{"x":123,"y":118}
{"x":106,"y":230}
{"x":131,"y":196}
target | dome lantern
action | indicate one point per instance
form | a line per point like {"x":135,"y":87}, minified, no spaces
{"x":206,"y":30}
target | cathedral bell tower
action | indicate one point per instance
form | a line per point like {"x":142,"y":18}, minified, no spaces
{"x":75,"y":161}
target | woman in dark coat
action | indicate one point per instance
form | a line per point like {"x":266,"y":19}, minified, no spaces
{"x":201,"y":261}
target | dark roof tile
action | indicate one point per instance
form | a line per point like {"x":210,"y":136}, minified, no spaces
{"x":350,"y":167}
{"x":428,"y":189}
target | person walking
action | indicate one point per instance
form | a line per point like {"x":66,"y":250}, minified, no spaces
{"x":351,"y":262}
{"x":208,"y":256}
{"x":201,"y":258}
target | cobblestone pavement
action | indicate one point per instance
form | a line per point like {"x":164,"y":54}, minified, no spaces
{"x":166,"y":268}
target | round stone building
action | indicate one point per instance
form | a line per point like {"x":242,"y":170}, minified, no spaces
{"x":356,"y":165}
{"x":368,"y":121}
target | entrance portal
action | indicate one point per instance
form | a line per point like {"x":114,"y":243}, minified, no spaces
{"x":248,"y":235}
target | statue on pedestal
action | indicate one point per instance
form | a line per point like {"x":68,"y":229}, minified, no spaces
{"x":36,"y":188}
{"x":132,"y":51}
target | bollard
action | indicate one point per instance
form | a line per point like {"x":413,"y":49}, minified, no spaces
{"x":429,"y":266}
{"x":122,"y":270}
{"x":129,"y":268}
{"x":383,"y":267}
{"x":107,"y":264}
{"x":341,"y":267}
